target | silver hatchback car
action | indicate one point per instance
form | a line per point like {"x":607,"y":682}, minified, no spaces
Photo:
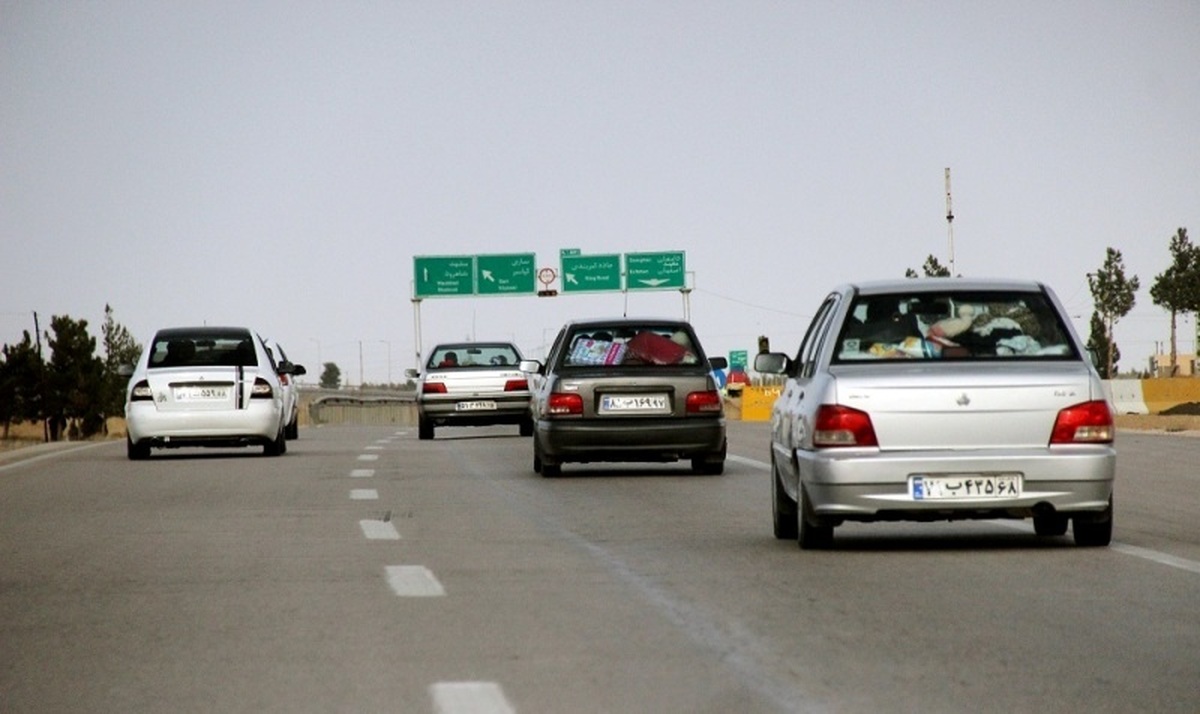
{"x":940,"y":399}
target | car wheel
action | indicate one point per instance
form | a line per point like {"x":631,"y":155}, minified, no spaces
{"x":526,"y":427}
{"x":783,"y":509}
{"x":551,"y":470}
{"x":136,"y":452}
{"x":1094,"y":529}
{"x":701,"y":465}
{"x":1050,"y":524}
{"x":276,"y":447}
{"x":813,"y":535}
{"x":293,"y":429}
{"x":424,"y":429}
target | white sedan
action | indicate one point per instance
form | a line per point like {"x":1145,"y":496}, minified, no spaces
{"x":205,"y":386}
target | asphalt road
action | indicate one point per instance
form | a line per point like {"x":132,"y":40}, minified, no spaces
{"x":367,"y":571}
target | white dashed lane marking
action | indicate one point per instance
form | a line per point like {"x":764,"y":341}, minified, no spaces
{"x":368,"y":457}
{"x":364,"y":494}
{"x":413,"y":581}
{"x":375,"y":529}
{"x":362,"y":473}
{"x":469,"y":698}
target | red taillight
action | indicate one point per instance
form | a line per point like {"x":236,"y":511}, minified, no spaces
{"x":709,"y":401}
{"x":433,"y":388}
{"x":516,"y":385}
{"x":1087,"y":423}
{"x":842,"y":426}
{"x":261,"y":389}
{"x":141,"y":392}
{"x":563,"y":404}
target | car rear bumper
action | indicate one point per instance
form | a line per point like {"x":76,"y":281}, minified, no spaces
{"x":446,"y":410}
{"x":877,"y":486}
{"x":631,"y":439}
{"x":258,"y":423}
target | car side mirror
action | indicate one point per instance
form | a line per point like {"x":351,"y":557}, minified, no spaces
{"x":411,"y":373}
{"x":530,"y":365}
{"x":125,"y":370}
{"x":718,"y":362}
{"x":771,"y":363}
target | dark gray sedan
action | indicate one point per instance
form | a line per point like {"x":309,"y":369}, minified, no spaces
{"x":627,"y":390}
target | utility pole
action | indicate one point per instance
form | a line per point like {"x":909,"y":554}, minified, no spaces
{"x":950,"y":222}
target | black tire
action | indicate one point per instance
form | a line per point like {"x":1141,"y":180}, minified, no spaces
{"x":136,"y":452}
{"x":526,"y":427}
{"x":278,"y":447}
{"x":814,"y":535}
{"x":292,"y":431}
{"x":783,"y":509}
{"x":1051,"y":524}
{"x":551,"y":470}
{"x":424,"y":429}
{"x":1094,"y":530}
{"x":711,"y":468}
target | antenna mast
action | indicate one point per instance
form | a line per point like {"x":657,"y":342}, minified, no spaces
{"x":950,"y":222}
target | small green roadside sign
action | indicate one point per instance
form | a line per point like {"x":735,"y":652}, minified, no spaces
{"x":655,"y":271}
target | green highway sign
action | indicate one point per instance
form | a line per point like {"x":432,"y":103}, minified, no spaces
{"x":443,"y":275}
{"x":509,"y":274}
{"x":581,"y":273}
{"x":654,"y":271}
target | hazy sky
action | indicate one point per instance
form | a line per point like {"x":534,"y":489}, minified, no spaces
{"x":279,"y":164}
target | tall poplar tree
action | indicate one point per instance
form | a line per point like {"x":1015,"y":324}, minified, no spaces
{"x":1114,"y":297}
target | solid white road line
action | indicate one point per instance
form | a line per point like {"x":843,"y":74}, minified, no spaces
{"x":413,"y":581}
{"x":470,"y":698}
{"x":364,"y":494}
{"x":378,"y":530}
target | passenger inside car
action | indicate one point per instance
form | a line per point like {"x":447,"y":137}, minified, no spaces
{"x":449,"y":360}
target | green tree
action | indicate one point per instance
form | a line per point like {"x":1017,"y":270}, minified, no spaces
{"x":74,"y":390}
{"x":1099,"y":344}
{"x":22,"y":374}
{"x":331,"y":376}
{"x":1177,"y":289}
{"x":1114,"y":297}
{"x":120,"y":349}
{"x":932,"y":267}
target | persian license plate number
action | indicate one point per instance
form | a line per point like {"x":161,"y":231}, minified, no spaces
{"x":633,"y":403}
{"x":201,"y":394}
{"x":475,"y":406}
{"x":959,"y":487}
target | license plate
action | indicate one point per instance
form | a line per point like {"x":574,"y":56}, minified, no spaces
{"x":652,"y":403}
{"x":201,"y":394}
{"x":476,"y":406}
{"x":960,"y":487}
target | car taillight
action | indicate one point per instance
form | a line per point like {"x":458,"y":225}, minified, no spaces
{"x":141,"y":392}
{"x":709,"y":401}
{"x":433,"y":388}
{"x":1086,"y":423}
{"x":563,"y":404}
{"x":842,"y":426}
{"x":261,"y":389}
{"x":516,"y":385}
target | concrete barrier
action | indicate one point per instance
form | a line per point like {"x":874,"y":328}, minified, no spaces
{"x":1126,"y":396}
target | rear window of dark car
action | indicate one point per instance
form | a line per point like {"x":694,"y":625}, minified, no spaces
{"x":202,"y":350}
{"x":631,"y":345}
{"x":993,"y":325}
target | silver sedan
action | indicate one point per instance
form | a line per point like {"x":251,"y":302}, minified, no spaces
{"x":940,"y":399}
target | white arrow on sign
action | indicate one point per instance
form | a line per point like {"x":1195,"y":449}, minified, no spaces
{"x":570,"y":278}
{"x":653,"y":282}
{"x":487,"y":275}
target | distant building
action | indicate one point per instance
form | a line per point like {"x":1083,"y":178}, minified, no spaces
{"x":1160,"y":365}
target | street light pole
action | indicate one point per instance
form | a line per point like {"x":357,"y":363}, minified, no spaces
{"x":389,"y":362}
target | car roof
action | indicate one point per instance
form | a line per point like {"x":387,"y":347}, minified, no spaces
{"x":632,"y":321}
{"x":935,"y":285}
{"x":465,"y":345}
{"x":203,"y":330}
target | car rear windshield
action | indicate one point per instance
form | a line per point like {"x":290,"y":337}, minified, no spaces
{"x":230,"y":350}
{"x":627,"y":345}
{"x":993,"y":325}
{"x":466,"y":356}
